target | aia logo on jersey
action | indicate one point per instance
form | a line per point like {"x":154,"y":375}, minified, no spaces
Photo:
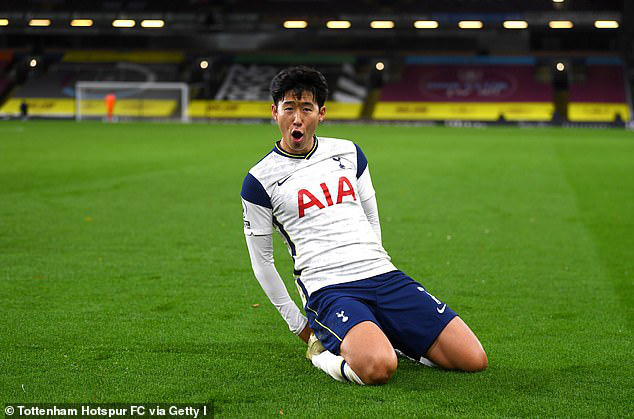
{"x":305,"y":199}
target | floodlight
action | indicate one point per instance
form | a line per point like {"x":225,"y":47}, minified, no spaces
{"x":380,"y":66}
{"x":33,"y":63}
{"x":81,"y":22}
{"x":382,"y":24}
{"x":515,"y":24}
{"x":40,"y":22}
{"x":204,"y":64}
{"x":123,"y":23}
{"x":470,"y":24}
{"x":560,"y":66}
{"x":295,"y":24}
{"x":426,"y":24}
{"x":338,"y":24}
{"x":560,"y":24}
{"x":606,"y":24}
{"x":152,"y":23}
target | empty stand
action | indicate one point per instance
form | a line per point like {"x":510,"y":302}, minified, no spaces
{"x":244,"y":91}
{"x":467,"y":88}
{"x":598,"y":92}
{"x":51,"y":93}
{"x":5,"y":61}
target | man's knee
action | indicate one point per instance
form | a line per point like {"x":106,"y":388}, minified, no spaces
{"x":369,"y":353}
{"x":474,"y":361}
{"x":378,"y":368}
{"x":458,"y":348}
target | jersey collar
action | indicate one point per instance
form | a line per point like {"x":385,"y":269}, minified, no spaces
{"x":306,"y":156}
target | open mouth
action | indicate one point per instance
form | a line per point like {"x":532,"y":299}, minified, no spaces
{"x":297,"y":135}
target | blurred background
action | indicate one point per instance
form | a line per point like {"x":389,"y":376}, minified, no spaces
{"x":538,"y":62}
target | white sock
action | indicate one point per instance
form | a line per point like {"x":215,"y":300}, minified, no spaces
{"x":336,"y":367}
{"x":427,"y":362}
{"x":422,"y":359}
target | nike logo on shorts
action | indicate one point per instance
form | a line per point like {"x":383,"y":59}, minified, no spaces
{"x":439,"y":309}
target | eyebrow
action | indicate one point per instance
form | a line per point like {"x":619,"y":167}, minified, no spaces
{"x":292,"y":102}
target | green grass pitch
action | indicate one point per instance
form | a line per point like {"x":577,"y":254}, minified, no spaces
{"x":124,"y":276}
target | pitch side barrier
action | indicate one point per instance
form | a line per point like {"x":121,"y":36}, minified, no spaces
{"x":212,"y":109}
{"x":113,"y":56}
{"x":66,"y":109}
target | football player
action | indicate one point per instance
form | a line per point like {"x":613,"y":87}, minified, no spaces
{"x":317,"y":193}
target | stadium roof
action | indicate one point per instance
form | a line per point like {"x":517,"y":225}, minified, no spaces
{"x":257,"y":25}
{"x":311,"y":7}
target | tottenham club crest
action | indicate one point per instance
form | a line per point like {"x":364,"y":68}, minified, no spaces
{"x":342,"y":316}
{"x":338,"y":160}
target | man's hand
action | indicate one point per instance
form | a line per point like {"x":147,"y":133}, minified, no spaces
{"x":314,"y":347}
{"x":305,"y":334}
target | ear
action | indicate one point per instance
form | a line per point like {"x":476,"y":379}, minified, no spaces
{"x":274,"y":111}
{"x":322,"y":114}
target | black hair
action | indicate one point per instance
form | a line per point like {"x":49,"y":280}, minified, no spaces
{"x":299,"y":79}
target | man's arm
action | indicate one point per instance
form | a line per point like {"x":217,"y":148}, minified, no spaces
{"x":368,"y":201}
{"x":261,"y":254}
{"x":372,"y":214}
{"x":367,"y":195}
{"x":258,"y":229}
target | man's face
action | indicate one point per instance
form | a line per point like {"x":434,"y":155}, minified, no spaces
{"x":298,"y":119}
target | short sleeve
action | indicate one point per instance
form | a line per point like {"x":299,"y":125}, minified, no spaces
{"x":257,"y":212}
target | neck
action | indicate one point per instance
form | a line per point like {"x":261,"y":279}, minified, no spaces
{"x":304,"y":150}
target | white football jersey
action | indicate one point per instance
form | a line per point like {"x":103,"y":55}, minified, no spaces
{"x":314,"y":202}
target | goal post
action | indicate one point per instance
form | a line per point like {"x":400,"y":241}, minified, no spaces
{"x":132,"y":100}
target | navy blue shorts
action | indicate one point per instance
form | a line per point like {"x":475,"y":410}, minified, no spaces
{"x":410,"y":317}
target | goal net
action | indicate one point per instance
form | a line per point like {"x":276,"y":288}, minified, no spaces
{"x":131,"y":100}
